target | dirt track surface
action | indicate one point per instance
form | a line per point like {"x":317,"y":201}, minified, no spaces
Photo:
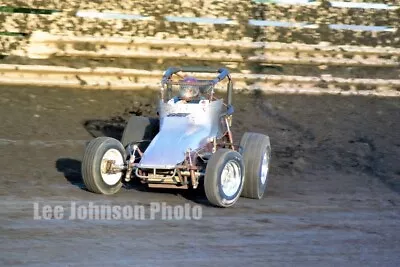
{"x":333,"y":197}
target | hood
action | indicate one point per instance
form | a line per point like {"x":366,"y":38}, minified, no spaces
{"x":182,"y":127}
{"x":169,"y":146}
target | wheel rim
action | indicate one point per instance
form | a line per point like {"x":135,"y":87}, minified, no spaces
{"x":231,"y":178}
{"x":116,"y":156}
{"x":264,"y":167}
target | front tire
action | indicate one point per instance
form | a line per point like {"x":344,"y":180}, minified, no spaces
{"x":98,"y":153}
{"x":256,"y":151}
{"x":224,"y":177}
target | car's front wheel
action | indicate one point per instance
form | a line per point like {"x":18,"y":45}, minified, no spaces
{"x":103,"y":156}
{"x":224,"y":177}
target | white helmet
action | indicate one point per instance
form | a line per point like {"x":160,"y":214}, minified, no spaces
{"x":189,"y":88}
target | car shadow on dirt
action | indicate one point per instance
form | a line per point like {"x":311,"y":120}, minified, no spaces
{"x":71,"y":168}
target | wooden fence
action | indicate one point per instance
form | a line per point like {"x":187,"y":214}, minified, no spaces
{"x":236,"y":33}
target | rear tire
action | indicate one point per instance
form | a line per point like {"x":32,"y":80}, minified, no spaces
{"x":256,"y":151}
{"x":224,"y":177}
{"x":93,"y":165}
{"x":138,"y":129}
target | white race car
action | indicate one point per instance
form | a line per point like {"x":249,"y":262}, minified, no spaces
{"x":188,"y":144}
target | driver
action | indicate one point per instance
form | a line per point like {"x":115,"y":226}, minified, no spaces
{"x":188,"y":92}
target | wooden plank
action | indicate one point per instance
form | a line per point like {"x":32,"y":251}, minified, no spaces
{"x":124,"y":43}
{"x":44,"y":45}
{"x":273,"y":57}
{"x":130,"y":79}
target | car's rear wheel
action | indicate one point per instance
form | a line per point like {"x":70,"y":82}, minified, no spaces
{"x":224,"y":177}
{"x":256,"y":151}
{"x":102,"y":154}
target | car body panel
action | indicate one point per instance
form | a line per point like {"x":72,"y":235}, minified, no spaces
{"x":182,"y":127}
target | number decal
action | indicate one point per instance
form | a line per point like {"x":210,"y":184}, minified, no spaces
{"x":178,"y":114}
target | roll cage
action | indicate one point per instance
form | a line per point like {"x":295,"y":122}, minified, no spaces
{"x":206,"y":86}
